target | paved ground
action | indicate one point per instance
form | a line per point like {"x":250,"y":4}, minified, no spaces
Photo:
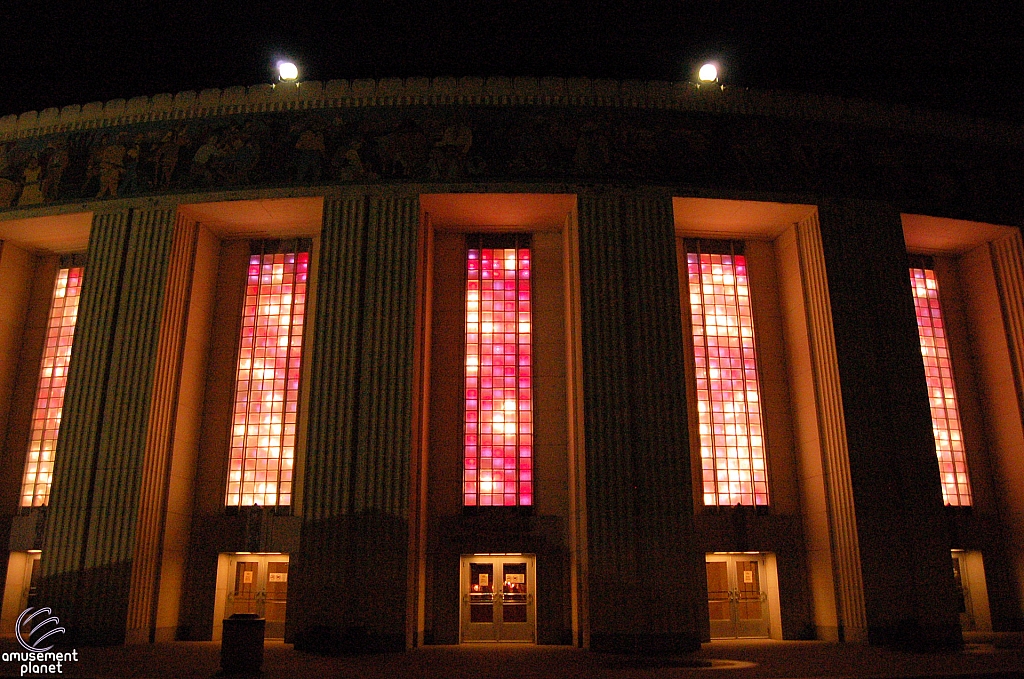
{"x":730,"y":660}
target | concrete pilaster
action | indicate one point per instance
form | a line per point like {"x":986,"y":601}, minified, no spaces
{"x":646,"y":582}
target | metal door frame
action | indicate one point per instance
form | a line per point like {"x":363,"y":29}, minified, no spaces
{"x":498,"y":560}
{"x":731,"y":559}
{"x":262,"y":577}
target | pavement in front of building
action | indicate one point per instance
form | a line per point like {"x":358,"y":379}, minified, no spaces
{"x":730,"y":660}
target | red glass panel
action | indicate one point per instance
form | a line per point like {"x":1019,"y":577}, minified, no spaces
{"x":265,"y":416}
{"x":499,"y":396}
{"x":949,"y":443}
{"x":732,"y":447}
{"x":53,"y":375}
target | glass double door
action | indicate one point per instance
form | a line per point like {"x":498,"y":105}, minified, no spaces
{"x":737,"y":602}
{"x":259,"y":584}
{"x":498,"y":598}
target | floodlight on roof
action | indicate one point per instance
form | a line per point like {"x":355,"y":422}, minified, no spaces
{"x":287,"y":70}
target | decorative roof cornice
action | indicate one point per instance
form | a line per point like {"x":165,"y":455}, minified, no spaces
{"x":502,"y":91}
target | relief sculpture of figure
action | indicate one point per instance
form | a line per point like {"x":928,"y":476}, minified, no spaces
{"x":5,"y":166}
{"x":310,"y":152}
{"x":8,"y":188}
{"x":449,"y":157}
{"x":348,"y":165}
{"x":55,"y":166}
{"x":111,"y":168}
{"x":203,"y":161}
{"x":403,"y":151}
{"x":31,"y":194}
{"x":130,"y":186}
{"x":167,"y":158}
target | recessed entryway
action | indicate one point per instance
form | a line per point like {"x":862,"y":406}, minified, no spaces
{"x":498,"y":598}
{"x":742,"y":588}
{"x":20,"y":589}
{"x":253,"y":583}
{"x":972,"y":591}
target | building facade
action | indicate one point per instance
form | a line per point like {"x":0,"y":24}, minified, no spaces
{"x":621,"y":365}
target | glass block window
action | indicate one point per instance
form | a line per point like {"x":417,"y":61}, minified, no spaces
{"x":498,"y":458}
{"x":949,"y":442}
{"x":265,"y":416}
{"x":53,"y":376}
{"x":732,"y":442}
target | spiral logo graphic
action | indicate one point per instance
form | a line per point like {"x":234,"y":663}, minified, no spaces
{"x":41,"y":630}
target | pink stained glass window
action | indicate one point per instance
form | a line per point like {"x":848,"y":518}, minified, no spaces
{"x":949,"y":442}
{"x":53,"y":377}
{"x":265,"y":416}
{"x":732,"y":442}
{"x":498,"y":457}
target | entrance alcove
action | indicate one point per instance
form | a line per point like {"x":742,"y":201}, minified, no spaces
{"x":32,"y":250}
{"x":448,"y":530}
{"x":807,"y":525}
{"x":978,"y":269}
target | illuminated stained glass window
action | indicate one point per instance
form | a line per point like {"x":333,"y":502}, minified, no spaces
{"x":732,"y":447}
{"x":265,"y":417}
{"x":949,"y":443}
{"x":53,"y":376}
{"x":498,"y":458}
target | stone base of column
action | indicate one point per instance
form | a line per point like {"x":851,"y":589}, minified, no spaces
{"x":350,"y":586}
{"x":644,"y":644}
{"x":909,"y":635}
{"x":335,"y":640}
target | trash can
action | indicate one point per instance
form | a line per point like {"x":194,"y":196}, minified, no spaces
{"x":241,"y":646}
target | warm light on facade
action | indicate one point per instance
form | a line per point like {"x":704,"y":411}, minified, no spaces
{"x":732,"y":447}
{"x":53,"y":376}
{"x":498,"y":458}
{"x":265,"y":416}
{"x":949,"y":442}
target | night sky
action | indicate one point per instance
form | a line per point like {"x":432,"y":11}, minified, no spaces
{"x":961,"y":56}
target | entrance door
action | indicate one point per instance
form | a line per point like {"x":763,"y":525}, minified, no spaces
{"x":498,"y":598}
{"x":963,"y":591}
{"x":737,"y":602}
{"x":259,"y":584}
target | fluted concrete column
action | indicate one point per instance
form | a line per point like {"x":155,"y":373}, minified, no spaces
{"x":645,"y":587}
{"x":839,"y":541}
{"x":1006,"y":424}
{"x":150,"y":528}
{"x":1008,"y":266}
{"x":904,"y":550}
{"x":97,"y":548}
{"x":350,"y":576}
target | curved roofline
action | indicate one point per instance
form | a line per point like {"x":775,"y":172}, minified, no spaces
{"x":503,"y":91}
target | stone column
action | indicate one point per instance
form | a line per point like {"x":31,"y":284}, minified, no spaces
{"x":646,"y":582}
{"x":349,"y":587}
{"x":99,"y":560}
{"x":833,"y":509}
{"x":1006,"y":427}
{"x":904,"y":549}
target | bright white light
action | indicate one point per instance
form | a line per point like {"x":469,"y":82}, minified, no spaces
{"x":287,"y":70}
{"x":708,"y":73}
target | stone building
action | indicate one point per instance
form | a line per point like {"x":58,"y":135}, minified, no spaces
{"x":615,"y":364}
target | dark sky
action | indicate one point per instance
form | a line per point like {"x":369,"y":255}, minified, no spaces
{"x":954,"y":55}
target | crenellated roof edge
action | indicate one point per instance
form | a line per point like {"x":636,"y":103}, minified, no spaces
{"x":503,"y":91}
